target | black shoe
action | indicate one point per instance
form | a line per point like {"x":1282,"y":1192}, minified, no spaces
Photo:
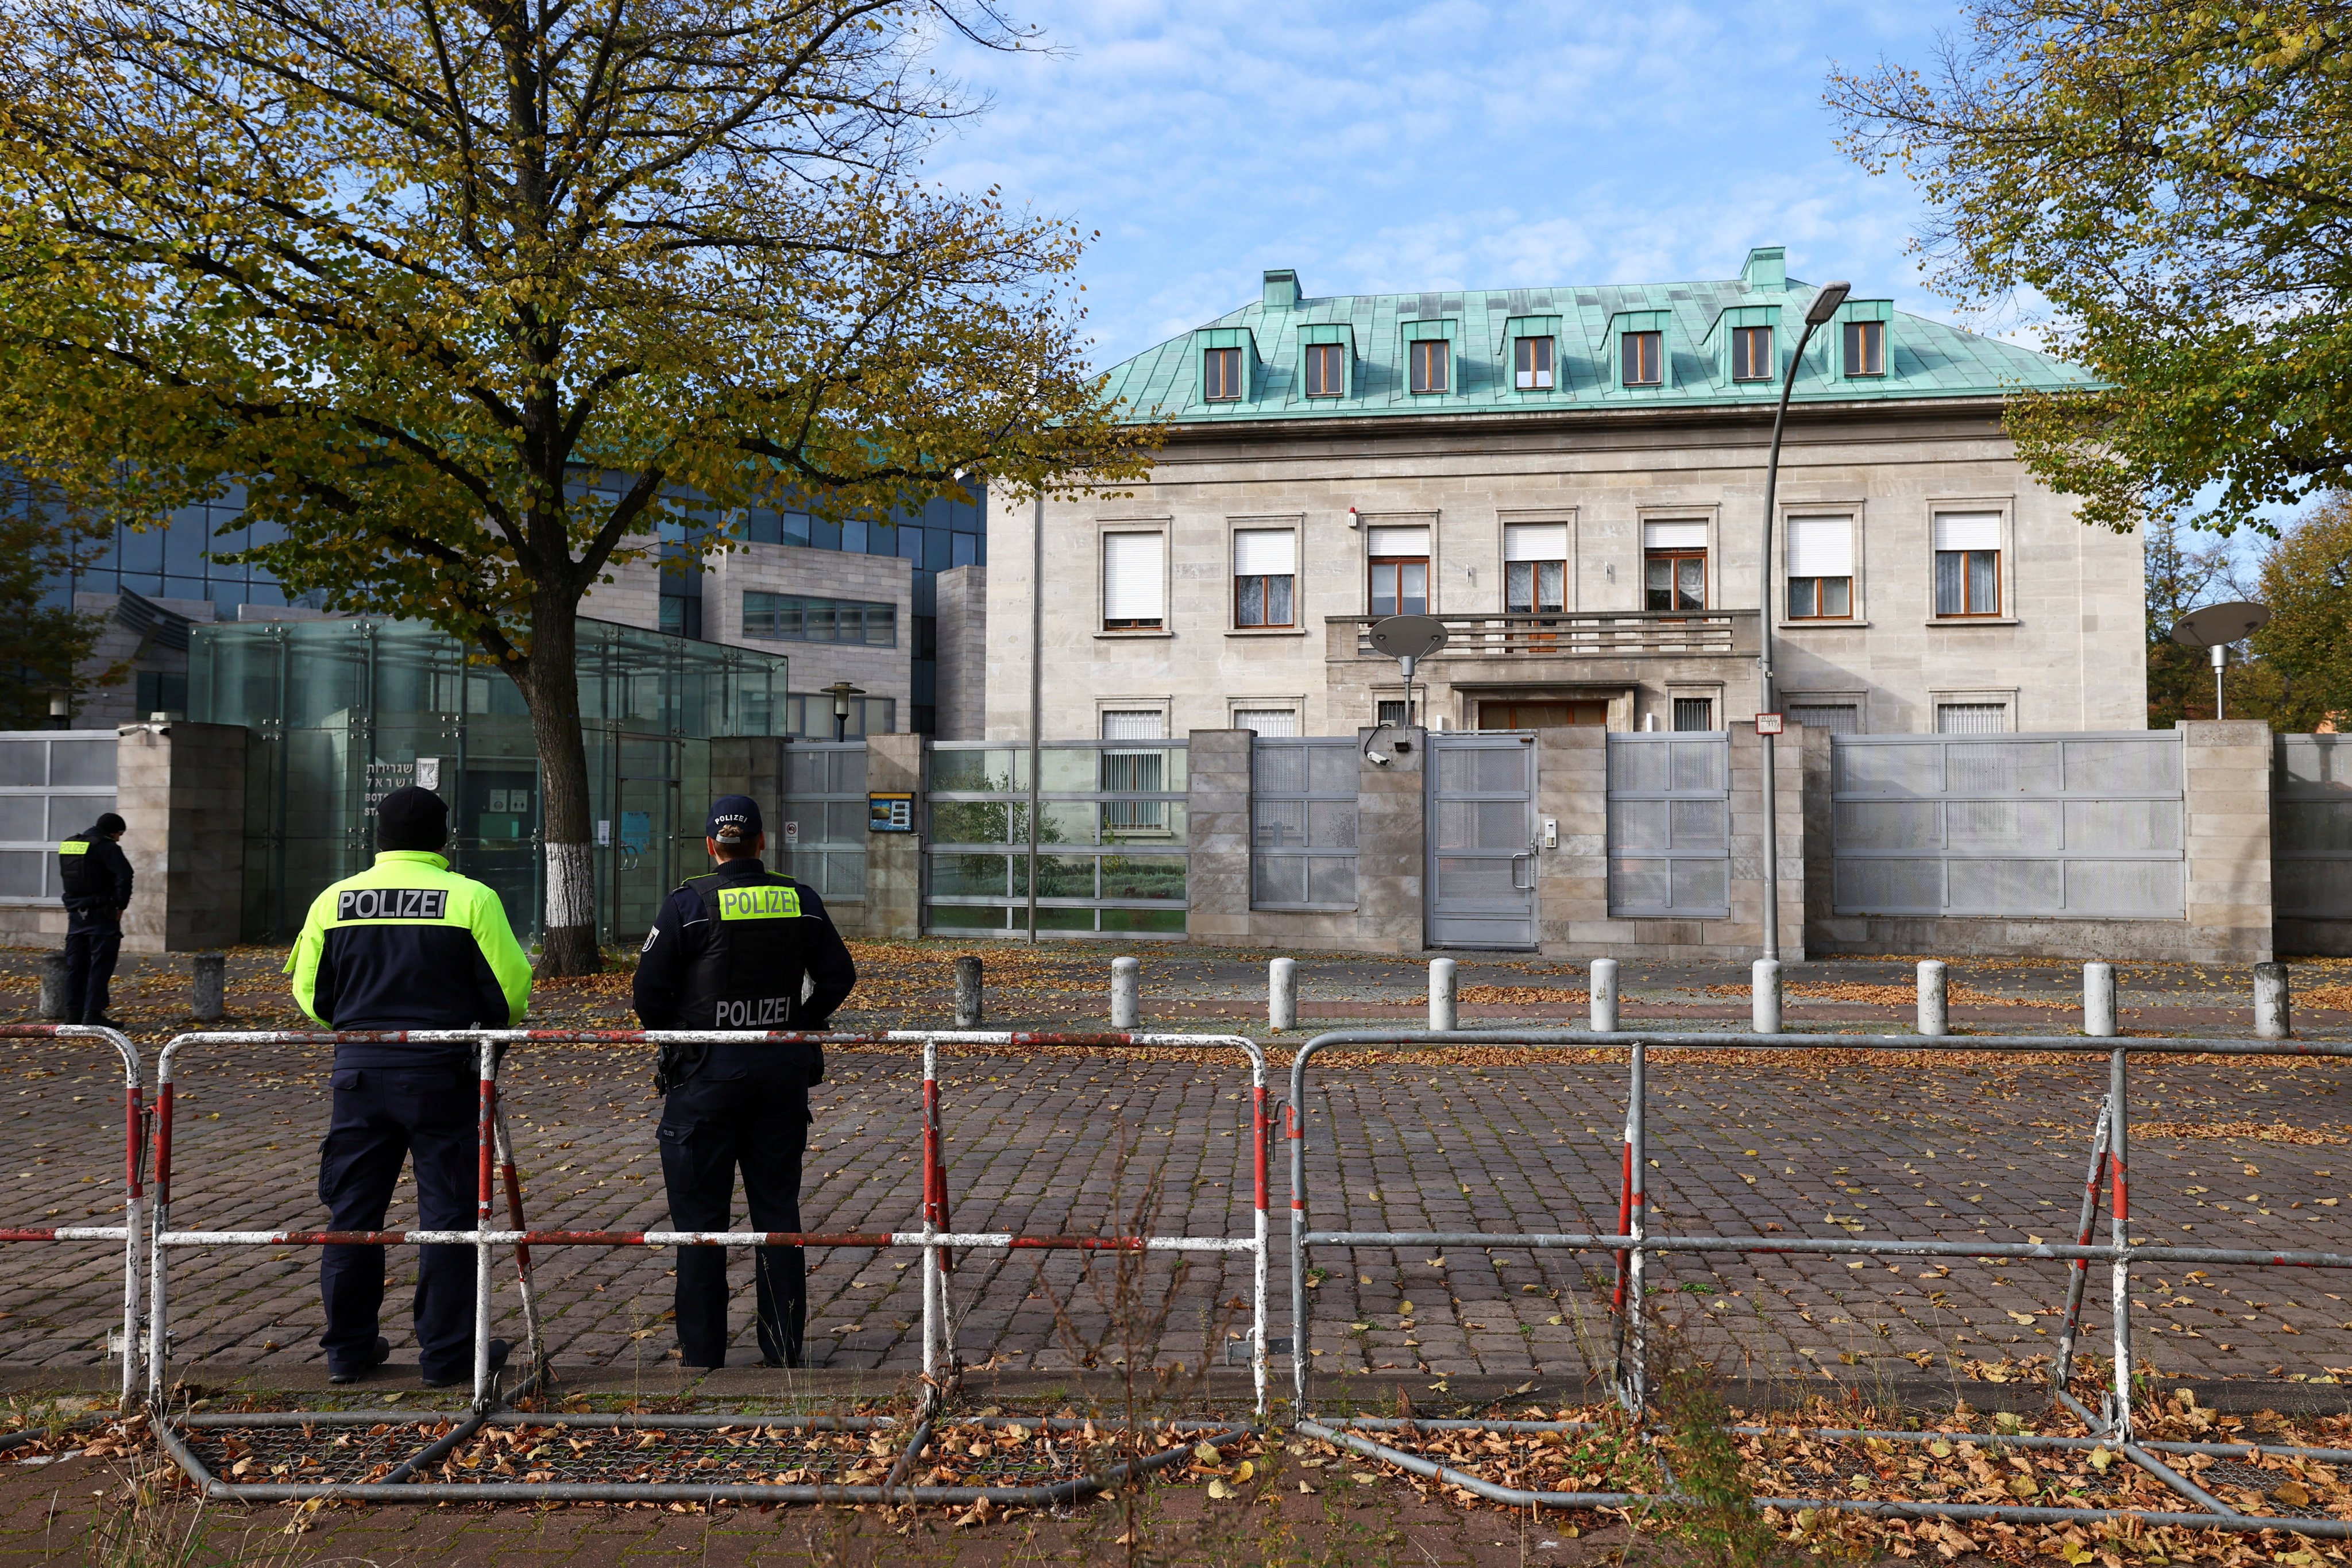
{"x":381,"y":1353}
{"x":105,"y":1023}
{"x":498,"y":1349}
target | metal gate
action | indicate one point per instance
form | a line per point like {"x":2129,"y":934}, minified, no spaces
{"x":2311,"y":830}
{"x":1482,"y":839}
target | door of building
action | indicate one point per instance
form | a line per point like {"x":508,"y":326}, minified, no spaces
{"x":1481,"y":881}
{"x":1516,"y":715}
{"x":647,"y":862}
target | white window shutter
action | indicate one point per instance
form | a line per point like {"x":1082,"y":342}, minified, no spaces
{"x":1405,"y":542}
{"x":1273,"y":722}
{"x":1967,"y":530}
{"x":1266,"y":552}
{"x":1821,"y":547}
{"x":1133,"y":581}
{"x":1689,"y":536}
{"x":1535,"y":541}
{"x":1134,"y":724}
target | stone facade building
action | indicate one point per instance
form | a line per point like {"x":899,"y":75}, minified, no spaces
{"x":1572,"y":480}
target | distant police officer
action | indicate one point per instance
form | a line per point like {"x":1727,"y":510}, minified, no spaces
{"x":405,"y":944}
{"x":729,"y":952}
{"x":94,"y":875}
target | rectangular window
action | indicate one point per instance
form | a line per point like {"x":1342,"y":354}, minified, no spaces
{"x":1751,"y":353}
{"x":1266,"y":576}
{"x":1221,"y":375}
{"x":1391,"y":711}
{"x":1400,"y":571}
{"x":1674,"y":566}
{"x":1971,"y":718}
{"x":1134,"y":581}
{"x":1865,"y":348}
{"x":1535,"y":567}
{"x":797,"y":618}
{"x":1968,"y":564}
{"x":1276,"y":723}
{"x":1643,"y":363}
{"x":1327,"y":370}
{"x":1821,"y":568}
{"x":1531,"y":364}
{"x":1837,"y":717}
{"x":1428,"y":358}
{"x":1694,"y":712}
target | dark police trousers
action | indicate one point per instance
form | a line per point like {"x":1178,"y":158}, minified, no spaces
{"x":93,"y":941}
{"x":746,"y":1106}
{"x":380,"y":1115}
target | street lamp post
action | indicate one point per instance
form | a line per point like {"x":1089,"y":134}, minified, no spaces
{"x":1817,"y":315}
{"x":841,"y":692}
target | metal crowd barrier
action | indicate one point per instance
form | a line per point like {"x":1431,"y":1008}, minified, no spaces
{"x":2110,"y":1427}
{"x":935,"y":1239}
{"x":127,"y":1233}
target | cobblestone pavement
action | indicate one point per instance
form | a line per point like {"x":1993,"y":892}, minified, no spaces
{"x":2252,"y":1153}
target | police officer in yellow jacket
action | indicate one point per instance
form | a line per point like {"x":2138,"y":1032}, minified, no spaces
{"x":405,"y":944}
{"x":732,"y":950}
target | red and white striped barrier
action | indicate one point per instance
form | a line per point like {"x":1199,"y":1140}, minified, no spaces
{"x":936,"y":1239}
{"x":133,"y":1199}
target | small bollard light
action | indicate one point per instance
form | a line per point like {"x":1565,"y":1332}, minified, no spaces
{"x":2099,"y":1000}
{"x":53,"y":986}
{"x":1126,"y":993}
{"x":1282,"y":993}
{"x":1604,"y":996}
{"x":1934,"y":997}
{"x":968,"y":1005}
{"x":208,"y":972}
{"x":1764,"y":996}
{"x":2273,"y":1002}
{"x":1444,"y":1011}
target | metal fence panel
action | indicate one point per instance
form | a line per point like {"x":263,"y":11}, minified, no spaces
{"x":2311,"y":827}
{"x":824,"y":844}
{"x":2075,"y":826}
{"x":1669,"y":825}
{"x":1303,"y":823}
{"x":53,"y":783}
{"x":1111,"y":839}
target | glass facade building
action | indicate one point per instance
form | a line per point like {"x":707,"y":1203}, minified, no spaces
{"x":342,"y":712}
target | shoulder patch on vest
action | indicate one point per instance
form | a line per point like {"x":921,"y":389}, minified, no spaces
{"x":392,"y":903}
{"x":759,"y":903}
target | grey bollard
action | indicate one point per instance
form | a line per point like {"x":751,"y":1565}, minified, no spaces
{"x":2099,"y":1000}
{"x":53,"y":986}
{"x":209,"y":972}
{"x":1764,"y":996}
{"x":1443,"y":1012}
{"x":1282,"y":993}
{"x":1126,"y":993}
{"x":1604,"y":996}
{"x":1934,"y":997}
{"x":969,"y":1010}
{"x":2272,"y":1019}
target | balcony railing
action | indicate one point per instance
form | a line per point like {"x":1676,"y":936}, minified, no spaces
{"x":1583,"y":634}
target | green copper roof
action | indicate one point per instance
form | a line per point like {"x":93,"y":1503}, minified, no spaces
{"x":1921,"y":358}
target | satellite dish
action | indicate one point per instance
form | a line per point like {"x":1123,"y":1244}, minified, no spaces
{"x":2215,"y":626}
{"x":1409,"y":637}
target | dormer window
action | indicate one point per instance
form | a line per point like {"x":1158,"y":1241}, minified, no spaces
{"x":1531,"y":364}
{"x":1327,"y":370}
{"x":1221,"y":375}
{"x":1428,"y":360}
{"x":1751,"y":353}
{"x":1643,"y":358}
{"x":1865,"y":348}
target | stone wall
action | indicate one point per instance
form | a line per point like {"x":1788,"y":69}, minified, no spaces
{"x":180,"y":791}
{"x":894,"y":861}
{"x":963,"y":654}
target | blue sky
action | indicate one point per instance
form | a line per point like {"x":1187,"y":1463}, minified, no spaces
{"x":1380,"y":147}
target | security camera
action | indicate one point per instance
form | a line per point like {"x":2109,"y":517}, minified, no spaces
{"x":1379,"y":759}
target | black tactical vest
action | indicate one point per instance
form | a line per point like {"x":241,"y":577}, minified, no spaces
{"x":748,"y":973}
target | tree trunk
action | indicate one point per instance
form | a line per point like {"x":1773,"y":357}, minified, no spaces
{"x":550,"y":688}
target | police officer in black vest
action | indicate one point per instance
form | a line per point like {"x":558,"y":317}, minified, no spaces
{"x":94,"y":875}
{"x":731,"y":949}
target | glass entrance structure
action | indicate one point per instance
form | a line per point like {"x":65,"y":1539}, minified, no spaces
{"x":342,"y":712}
